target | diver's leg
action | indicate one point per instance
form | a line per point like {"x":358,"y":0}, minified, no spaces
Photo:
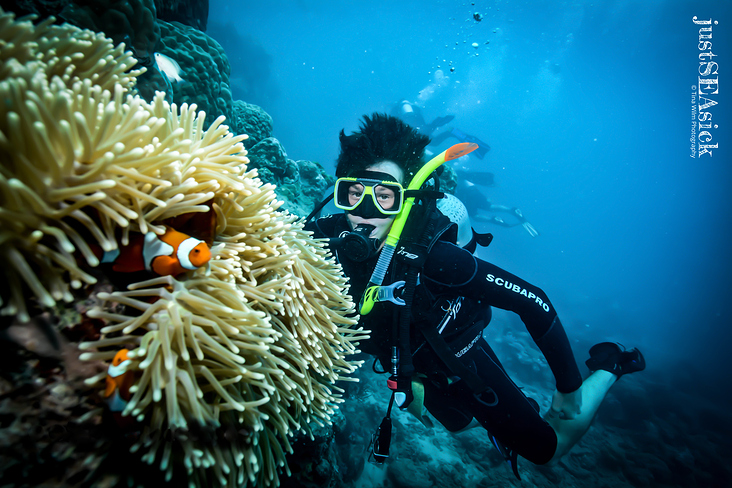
{"x":441,"y":137}
{"x":506,"y":413}
{"x":609,"y":362}
{"x":569,"y":431}
{"x":447,"y":403}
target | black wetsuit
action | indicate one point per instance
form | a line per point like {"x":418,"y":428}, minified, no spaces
{"x":454,"y":295}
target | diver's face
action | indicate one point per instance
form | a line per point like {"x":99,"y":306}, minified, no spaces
{"x":385,"y":196}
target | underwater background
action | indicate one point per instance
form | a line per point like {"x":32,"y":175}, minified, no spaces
{"x":588,"y":109}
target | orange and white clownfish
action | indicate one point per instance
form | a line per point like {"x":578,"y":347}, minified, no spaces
{"x":119,"y":380}
{"x":172,"y":253}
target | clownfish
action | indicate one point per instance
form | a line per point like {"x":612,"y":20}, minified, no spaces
{"x":172,"y":253}
{"x":119,"y":380}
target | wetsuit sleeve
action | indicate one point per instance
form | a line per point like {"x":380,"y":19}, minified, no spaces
{"x":326,"y":227}
{"x":451,"y":270}
{"x":313,"y":227}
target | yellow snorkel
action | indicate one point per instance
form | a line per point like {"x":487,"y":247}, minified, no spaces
{"x":371,"y":295}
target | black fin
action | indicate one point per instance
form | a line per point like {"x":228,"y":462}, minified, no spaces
{"x":609,"y":356}
{"x":511,"y":457}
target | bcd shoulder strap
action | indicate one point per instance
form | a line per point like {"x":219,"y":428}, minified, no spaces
{"x":424,"y":228}
{"x":412,"y":252}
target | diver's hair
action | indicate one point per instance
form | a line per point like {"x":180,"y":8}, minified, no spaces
{"x":381,"y":138}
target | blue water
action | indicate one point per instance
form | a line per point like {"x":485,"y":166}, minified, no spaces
{"x":587,"y":109}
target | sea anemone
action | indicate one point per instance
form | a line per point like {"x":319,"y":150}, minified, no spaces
{"x":230,"y":359}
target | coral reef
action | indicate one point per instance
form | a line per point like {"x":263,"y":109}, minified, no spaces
{"x":204,"y":68}
{"x":130,"y":21}
{"x":253,"y":121}
{"x":230,"y":359}
{"x":45,"y":408}
{"x":40,"y":8}
{"x":300,"y":184}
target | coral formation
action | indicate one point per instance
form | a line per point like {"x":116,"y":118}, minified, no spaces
{"x":204,"y":66}
{"x":205,"y":69}
{"x":229,"y":359}
{"x":252,"y":121}
{"x":300,"y":184}
{"x":130,"y":21}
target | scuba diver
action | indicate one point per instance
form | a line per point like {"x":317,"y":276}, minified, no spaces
{"x":513,"y":211}
{"x":426,"y":301}
{"x":481,"y":209}
{"x":411,"y":114}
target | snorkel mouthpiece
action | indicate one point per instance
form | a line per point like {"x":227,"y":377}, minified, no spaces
{"x":357,"y":245}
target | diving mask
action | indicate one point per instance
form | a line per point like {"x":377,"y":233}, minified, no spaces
{"x":352,"y":195}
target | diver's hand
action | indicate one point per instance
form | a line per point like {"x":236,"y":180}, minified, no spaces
{"x":566,"y":405}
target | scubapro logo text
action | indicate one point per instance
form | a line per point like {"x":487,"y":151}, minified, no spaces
{"x":517,"y":289}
